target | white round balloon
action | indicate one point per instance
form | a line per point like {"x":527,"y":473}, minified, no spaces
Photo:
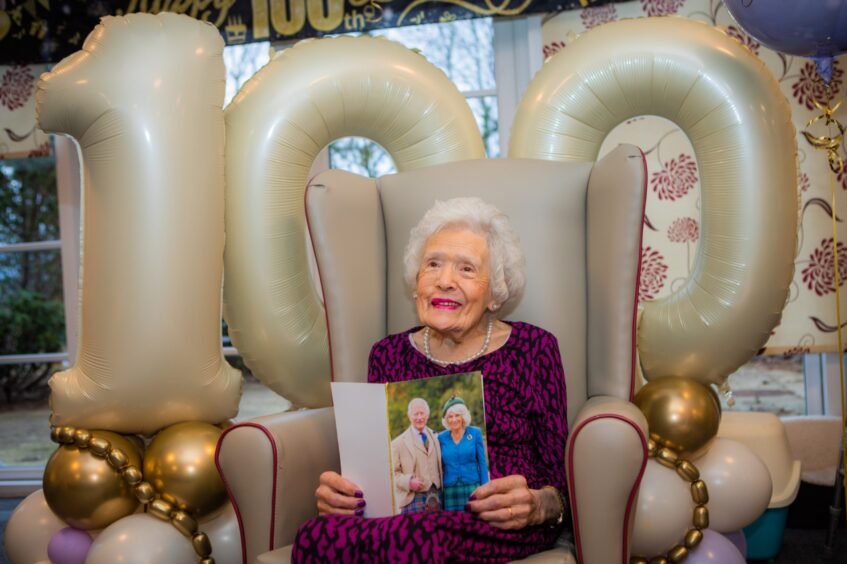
{"x":141,"y":539}
{"x":739,"y":485}
{"x":29,"y":529}
{"x":225,"y":536}
{"x":663,"y":512}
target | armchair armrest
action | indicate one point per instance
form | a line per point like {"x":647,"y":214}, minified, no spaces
{"x":270,"y":467}
{"x":606,"y":456}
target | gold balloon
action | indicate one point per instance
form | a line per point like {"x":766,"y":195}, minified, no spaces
{"x":180,"y":465}
{"x":84,"y":489}
{"x":682,"y":414}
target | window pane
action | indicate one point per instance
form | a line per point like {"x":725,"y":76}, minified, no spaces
{"x":463,"y":49}
{"x":242,"y":62}
{"x":485,"y":111}
{"x":29,"y":204}
{"x":25,"y":434}
{"x":360,"y":156}
{"x":770,"y":383}
{"x":32,"y":312}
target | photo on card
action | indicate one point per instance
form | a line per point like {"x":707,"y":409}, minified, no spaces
{"x":415,"y":445}
{"x":439,"y":452}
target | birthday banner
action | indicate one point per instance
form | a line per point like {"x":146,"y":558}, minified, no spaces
{"x":45,"y":31}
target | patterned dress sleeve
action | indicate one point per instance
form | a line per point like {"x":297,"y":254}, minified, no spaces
{"x":551,"y":429}
{"x":376,"y":362}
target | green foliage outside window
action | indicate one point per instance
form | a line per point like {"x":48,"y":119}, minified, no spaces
{"x":31,"y":308}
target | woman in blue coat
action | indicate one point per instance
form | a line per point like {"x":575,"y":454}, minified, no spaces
{"x":463,"y":461}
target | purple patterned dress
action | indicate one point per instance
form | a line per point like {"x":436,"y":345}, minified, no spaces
{"x":527,"y":428}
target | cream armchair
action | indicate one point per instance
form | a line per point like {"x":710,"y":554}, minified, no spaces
{"x":580,"y":226}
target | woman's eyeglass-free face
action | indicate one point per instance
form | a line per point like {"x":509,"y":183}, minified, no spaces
{"x":455,"y":421}
{"x":453,"y":289}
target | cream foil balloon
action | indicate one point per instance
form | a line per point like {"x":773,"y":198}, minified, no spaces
{"x":663,"y":511}
{"x":30,"y":529}
{"x":739,"y":484}
{"x":739,"y":124}
{"x":306,"y":97}
{"x":142,"y":539}
{"x":143,"y":98}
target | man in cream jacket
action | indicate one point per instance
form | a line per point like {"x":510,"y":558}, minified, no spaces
{"x":416,"y":456}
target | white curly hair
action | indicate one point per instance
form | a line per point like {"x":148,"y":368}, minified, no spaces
{"x":504,"y":248}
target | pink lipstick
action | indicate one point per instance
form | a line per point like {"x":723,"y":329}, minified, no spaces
{"x":441,"y":303}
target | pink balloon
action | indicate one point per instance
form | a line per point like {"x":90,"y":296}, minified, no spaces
{"x":69,"y":546}
{"x":739,"y":540}
{"x":715,"y":549}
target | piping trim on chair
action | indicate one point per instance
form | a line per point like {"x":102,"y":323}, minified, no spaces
{"x":229,"y":490}
{"x":632,"y":493}
{"x":638,"y":280}
{"x":320,"y":278}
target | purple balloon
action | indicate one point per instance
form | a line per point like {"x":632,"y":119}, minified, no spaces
{"x":714,"y":549}
{"x":69,"y":546}
{"x":739,"y":540}
{"x":807,"y":28}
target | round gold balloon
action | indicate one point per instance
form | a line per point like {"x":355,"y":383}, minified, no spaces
{"x":682,"y":414}
{"x":180,"y":465}
{"x":84,"y":489}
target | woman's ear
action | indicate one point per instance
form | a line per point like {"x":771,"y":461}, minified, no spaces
{"x":493,"y":306}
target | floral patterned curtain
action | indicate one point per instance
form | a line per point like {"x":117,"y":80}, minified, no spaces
{"x":673,"y":207}
{"x":19,"y":137}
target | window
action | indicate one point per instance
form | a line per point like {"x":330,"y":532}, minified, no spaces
{"x":32,"y":312}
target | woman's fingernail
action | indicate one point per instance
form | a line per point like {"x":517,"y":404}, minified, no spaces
{"x":361,"y":503}
{"x":472,"y":498}
{"x":467,"y":507}
{"x":358,"y":493}
{"x":359,"y":512}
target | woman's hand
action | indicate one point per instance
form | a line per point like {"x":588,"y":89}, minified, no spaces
{"x":415,"y":485}
{"x":337,"y":494}
{"x":509,"y":503}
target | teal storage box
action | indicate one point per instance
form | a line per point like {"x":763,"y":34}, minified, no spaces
{"x":764,"y":535}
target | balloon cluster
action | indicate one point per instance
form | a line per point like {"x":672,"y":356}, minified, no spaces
{"x":683,"y":416}
{"x":95,"y":478}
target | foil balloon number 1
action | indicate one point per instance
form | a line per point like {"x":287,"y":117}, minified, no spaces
{"x":152,"y":143}
{"x":143,"y":98}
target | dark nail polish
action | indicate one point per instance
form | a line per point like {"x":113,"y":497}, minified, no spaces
{"x":361,"y":503}
{"x":359,"y":512}
{"x":472,"y":498}
{"x":358,"y":493}
{"x":467,"y":507}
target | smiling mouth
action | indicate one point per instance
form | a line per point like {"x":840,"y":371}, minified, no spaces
{"x":441,"y":303}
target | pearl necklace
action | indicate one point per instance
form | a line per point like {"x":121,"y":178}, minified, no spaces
{"x":481,"y":351}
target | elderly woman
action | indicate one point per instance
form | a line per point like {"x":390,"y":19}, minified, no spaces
{"x":462,"y":455}
{"x":464,"y":265}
